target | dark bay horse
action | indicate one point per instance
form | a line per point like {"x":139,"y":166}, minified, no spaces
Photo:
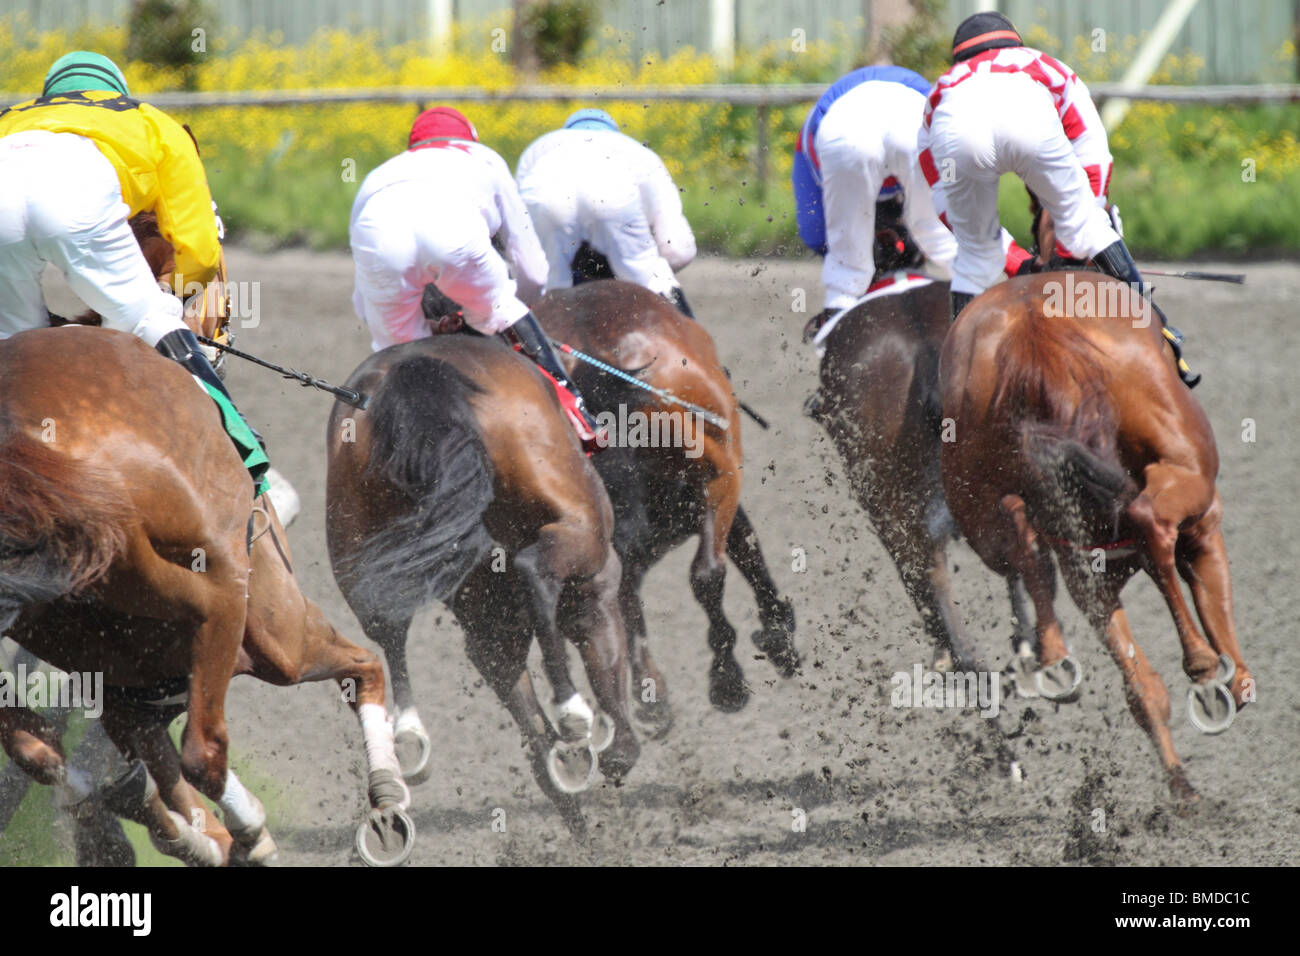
{"x":878,"y":399}
{"x":463,"y":482}
{"x":1075,"y":437}
{"x":125,"y":539}
{"x":681,"y":478}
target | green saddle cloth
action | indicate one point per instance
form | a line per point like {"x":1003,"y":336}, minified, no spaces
{"x":250,"y":449}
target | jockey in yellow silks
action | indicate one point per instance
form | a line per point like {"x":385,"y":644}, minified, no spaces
{"x":76,"y":163}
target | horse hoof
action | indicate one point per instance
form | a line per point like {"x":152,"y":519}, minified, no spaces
{"x":1186,"y":799}
{"x":652,"y":721}
{"x":191,"y":846}
{"x":255,"y":848}
{"x":727,"y":690}
{"x":415,"y":755}
{"x":574,"y":719}
{"x":602,"y":732}
{"x":777,"y":645}
{"x":1227,"y":670}
{"x":1060,"y":681}
{"x":1021,"y":670}
{"x":1210,"y":707}
{"x":386,"y":837}
{"x":571,"y":766}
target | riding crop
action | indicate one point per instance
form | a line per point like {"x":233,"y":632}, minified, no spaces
{"x":713,"y":419}
{"x":1237,"y":277}
{"x":347,"y":395}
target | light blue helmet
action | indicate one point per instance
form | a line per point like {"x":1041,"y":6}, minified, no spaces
{"x":591,"y":119}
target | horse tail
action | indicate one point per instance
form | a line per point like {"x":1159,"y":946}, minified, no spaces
{"x":426,"y":443}
{"x":1054,"y":384}
{"x":62,"y":524}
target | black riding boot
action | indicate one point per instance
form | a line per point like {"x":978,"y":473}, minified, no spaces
{"x":678,"y":298}
{"x":958,"y":301}
{"x":183,"y":348}
{"x":1117,"y":263}
{"x":537,"y":346}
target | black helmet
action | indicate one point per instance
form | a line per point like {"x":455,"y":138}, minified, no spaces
{"x":983,"y":31}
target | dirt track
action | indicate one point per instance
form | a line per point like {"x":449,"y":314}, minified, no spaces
{"x":878,"y":785}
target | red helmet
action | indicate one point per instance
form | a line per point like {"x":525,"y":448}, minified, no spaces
{"x":440,"y":124}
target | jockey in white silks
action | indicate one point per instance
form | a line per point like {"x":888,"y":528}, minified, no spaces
{"x":589,"y":184}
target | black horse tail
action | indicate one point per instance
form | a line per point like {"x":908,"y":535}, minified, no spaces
{"x":426,"y":444}
{"x":1076,"y":490}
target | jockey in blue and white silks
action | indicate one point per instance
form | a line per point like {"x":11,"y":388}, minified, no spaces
{"x":858,"y":147}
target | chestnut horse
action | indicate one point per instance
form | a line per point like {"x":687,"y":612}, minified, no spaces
{"x":125,"y":542}
{"x":683,"y":479}
{"x":1075,"y":437}
{"x":463,"y":457}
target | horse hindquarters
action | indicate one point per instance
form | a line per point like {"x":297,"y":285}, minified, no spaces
{"x":405,"y":502}
{"x":61,"y":524}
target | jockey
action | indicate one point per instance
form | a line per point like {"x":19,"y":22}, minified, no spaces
{"x":1005,"y":107}
{"x":77,"y":163}
{"x":430,"y":215}
{"x":858,"y":148}
{"x":590,"y":184}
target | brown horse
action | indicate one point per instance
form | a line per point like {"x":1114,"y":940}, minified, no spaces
{"x":125,"y":549}
{"x":682,"y":477}
{"x":462,"y":458}
{"x":1074,"y":436}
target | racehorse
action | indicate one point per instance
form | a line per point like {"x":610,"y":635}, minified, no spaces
{"x":682,"y":477}
{"x":463,"y":457}
{"x":878,"y":399}
{"x":125,"y":541}
{"x":1074,"y":436}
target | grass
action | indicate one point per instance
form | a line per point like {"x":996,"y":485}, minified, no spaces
{"x":34,"y":836}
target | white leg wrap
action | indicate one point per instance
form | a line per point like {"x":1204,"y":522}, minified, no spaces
{"x":408,"y":719}
{"x":242,"y":810}
{"x":378,"y":734}
{"x":575,"y":717}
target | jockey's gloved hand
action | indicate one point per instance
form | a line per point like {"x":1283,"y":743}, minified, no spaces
{"x":536,"y":344}
{"x":182,"y":347}
{"x":1116,"y":223}
{"x":678,"y":298}
{"x":958,"y":301}
{"x":1030,"y":266}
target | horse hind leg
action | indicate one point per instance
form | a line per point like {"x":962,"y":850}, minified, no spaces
{"x":1058,"y":676}
{"x":594,"y":622}
{"x":922,"y":564}
{"x":651,"y":714}
{"x":728,"y":691}
{"x":1148,"y":700}
{"x":544,"y":567}
{"x":502,"y":659}
{"x":776,"y":614}
{"x":304,"y":646}
{"x":1159,"y":511}
{"x":1203,"y":564}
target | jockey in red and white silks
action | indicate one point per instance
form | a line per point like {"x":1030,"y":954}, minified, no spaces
{"x":429,"y":216}
{"x":589,"y":183}
{"x":1004,"y":107}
